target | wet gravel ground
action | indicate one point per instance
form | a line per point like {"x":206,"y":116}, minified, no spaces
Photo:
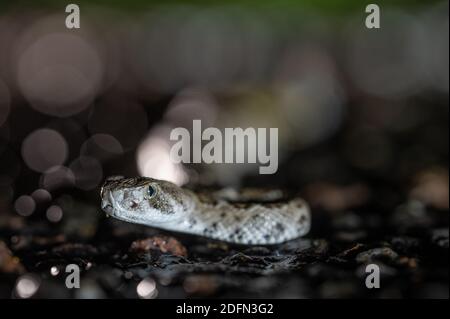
{"x":120,"y":260}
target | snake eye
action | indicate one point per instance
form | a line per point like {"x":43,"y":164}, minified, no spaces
{"x":151,"y":191}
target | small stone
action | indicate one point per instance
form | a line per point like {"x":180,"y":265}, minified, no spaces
{"x":257,"y":251}
{"x":297,"y":245}
{"x":439,"y":237}
{"x":411,"y":215}
{"x":164,"y":244}
{"x":351,"y":251}
{"x":408,"y":262}
{"x":75,"y":250}
{"x":128,"y":275}
{"x":239,"y":259}
{"x":383,"y":254}
{"x":405,"y":244}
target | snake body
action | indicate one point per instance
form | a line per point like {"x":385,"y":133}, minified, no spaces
{"x":164,"y":205}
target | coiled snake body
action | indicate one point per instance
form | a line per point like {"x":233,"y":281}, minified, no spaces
{"x":161,"y":204}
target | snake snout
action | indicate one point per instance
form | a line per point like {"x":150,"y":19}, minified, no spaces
{"x":107,"y":206}
{"x":106,"y":200}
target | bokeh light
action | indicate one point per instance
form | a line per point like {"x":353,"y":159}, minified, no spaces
{"x":27,"y":286}
{"x":146,"y":289}
{"x":101,"y":147}
{"x":58,"y":72}
{"x":54,"y":271}
{"x":41,"y":196}
{"x":383,"y":62}
{"x":153,"y":158}
{"x":25,"y":205}
{"x":309,"y":95}
{"x":192,"y":104}
{"x":54,"y":213}
{"x":43,"y":149}
{"x":57,"y":177}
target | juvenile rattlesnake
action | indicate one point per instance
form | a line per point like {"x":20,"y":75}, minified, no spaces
{"x":161,"y":204}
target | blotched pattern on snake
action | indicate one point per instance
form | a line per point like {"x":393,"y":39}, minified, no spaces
{"x":220,"y":216}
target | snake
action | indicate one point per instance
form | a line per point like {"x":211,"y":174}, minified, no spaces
{"x":223,"y":215}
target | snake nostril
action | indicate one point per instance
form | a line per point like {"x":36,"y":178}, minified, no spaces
{"x":133,"y":204}
{"x":107,"y":207}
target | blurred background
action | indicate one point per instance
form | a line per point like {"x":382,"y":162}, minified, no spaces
{"x":362,"y":113}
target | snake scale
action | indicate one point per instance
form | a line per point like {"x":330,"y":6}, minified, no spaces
{"x":164,"y":205}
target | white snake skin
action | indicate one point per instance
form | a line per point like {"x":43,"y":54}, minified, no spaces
{"x":161,"y":204}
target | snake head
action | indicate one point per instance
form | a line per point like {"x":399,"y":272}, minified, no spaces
{"x":143,"y":200}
